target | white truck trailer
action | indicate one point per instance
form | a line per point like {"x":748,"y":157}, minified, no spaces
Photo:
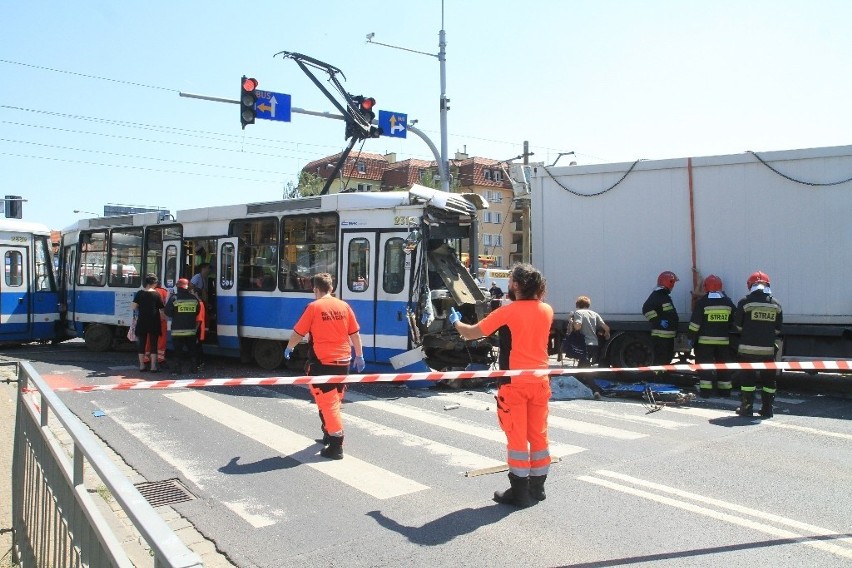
{"x":607,"y":231}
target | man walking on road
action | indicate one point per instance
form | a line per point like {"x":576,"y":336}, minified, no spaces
{"x":333,"y":327}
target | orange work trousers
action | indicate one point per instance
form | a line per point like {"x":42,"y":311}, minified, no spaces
{"x":329,"y":398}
{"x":522,"y":410}
{"x":161,"y":344}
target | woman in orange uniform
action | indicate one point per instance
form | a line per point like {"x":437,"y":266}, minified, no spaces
{"x":522,"y":402}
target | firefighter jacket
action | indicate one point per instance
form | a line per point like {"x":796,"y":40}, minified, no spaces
{"x":658,"y":308}
{"x":758,"y":318}
{"x":712,"y":320}
{"x":184,"y":309}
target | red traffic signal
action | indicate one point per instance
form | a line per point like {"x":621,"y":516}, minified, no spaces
{"x":249,"y":84}
{"x":368,"y":103}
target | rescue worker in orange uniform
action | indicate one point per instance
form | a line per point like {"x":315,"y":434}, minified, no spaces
{"x":758,"y":318}
{"x":332,"y":326}
{"x":522,"y":401}
{"x":164,"y":333}
{"x":710,"y":336}
{"x":661,"y":313}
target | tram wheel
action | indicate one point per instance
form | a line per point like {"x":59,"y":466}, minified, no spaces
{"x":268,"y":354}
{"x":98,"y":337}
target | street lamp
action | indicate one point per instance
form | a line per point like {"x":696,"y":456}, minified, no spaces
{"x":444,"y":166}
{"x":86,"y":212}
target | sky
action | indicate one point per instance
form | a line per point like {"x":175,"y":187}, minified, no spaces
{"x":91,"y":112}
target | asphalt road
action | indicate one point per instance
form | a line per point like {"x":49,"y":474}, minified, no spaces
{"x":685,"y":486}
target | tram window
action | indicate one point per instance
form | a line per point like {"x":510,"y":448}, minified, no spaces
{"x":14,"y":268}
{"x":258,"y":258}
{"x":309,"y":247}
{"x":170,"y":276}
{"x":155,"y":236}
{"x":126,"y":257}
{"x":92,"y":259}
{"x":227,"y":262}
{"x":43,"y":266}
{"x":394,"y":269}
{"x":358,"y":273}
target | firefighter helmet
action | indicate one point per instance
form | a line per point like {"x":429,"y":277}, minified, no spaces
{"x":757,"y":278}
{"x":667,"y":279}
{"x":183,"y":283}
{"x":713,"y":283}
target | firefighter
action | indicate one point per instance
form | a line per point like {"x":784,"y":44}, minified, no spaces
{"x":185,"y":310}
{"x":758,"y":319}
{"x":661,"y":313}
{"x":332,"y":326}
{"x":709,"y":335}
{"x":522,"y":401}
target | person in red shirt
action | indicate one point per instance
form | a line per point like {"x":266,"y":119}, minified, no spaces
{"x":332,"y":326}
{"x":522,"y":401}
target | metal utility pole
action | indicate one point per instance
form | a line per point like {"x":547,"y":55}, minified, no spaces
{"x":443,"y":164}
{"x":525,"y":213}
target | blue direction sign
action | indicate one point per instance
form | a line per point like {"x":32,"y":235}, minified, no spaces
{"x":272,"y":106}
{"x":393,"y":124}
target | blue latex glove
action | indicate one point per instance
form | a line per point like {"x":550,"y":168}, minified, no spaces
{"x":288,"y":352}
{"x":454,"y":317}
{"x":358,"y":364}
{"x":664,"y":324}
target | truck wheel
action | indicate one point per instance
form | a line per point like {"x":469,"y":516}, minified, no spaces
{"x":268,"y":354}
{"x":631,"y":350}
{"x":98,"y":337}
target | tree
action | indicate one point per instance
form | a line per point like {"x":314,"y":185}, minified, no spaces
{"x":309,"y":184}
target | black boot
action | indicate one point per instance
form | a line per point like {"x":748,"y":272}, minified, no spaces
{"x":537,"y":487}
{"x":766,"y":401}
{"x":746,"y":404}
{"x":334,"y":449}
{"x":518,"y":494}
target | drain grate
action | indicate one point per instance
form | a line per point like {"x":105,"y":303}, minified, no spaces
{"x":167,"y":492}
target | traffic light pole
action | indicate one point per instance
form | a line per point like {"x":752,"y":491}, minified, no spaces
{"x":296,"y":110}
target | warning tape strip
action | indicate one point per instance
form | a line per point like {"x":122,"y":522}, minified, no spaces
{"x":836,"y":365}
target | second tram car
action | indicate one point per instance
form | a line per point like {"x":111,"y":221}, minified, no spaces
{"x":394,"y":257}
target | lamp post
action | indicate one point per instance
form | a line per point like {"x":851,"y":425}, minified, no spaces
{"x":444,"y":166}
{"x":86,"y":212}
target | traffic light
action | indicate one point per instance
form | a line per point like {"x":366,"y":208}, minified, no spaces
{"x":13,"y":207}
{"x":365,"y":110}
{"x":248,"y":99}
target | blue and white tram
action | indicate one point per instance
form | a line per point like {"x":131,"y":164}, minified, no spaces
{"x":29,"y":300}
{"x":395,"y":258}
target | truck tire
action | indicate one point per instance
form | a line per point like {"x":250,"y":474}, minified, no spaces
{"x":631,"y":350}
{"x":99,"y":337}
{"x":268,"y":353}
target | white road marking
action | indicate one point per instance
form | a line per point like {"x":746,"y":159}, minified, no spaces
{"x":625,"y":416}
{"x":576,"y":426}
{"x":775,"y":424}
{"x":375,"y":481}
{"x":725,"y":517}
{"x":455,"y":424}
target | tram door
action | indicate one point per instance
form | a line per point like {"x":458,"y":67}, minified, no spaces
{"x":226,"y":317}
{"x":375,"y":281}
{"x":171,"y":262}
{"x":15,"y":293}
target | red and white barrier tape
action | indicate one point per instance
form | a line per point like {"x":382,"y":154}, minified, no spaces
{"x":838,"y":365}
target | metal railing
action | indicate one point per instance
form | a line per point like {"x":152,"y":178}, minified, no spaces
{"x":56,"y":520}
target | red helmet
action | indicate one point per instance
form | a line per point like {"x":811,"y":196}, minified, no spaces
{"x":667,"y":279}
{"x":713,"y":283}
{"x":183,"y":283}
{"x":757,"y":278}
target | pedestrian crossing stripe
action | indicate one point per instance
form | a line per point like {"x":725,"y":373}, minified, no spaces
{"x":366,"y":477}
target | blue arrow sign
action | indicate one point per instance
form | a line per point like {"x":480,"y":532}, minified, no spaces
{"x":393,"y":124}
{"x":272,"y":106}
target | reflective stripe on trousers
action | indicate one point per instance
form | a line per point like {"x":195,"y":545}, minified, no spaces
{"x":522,"y":410}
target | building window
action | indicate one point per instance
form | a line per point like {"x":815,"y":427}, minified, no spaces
{"x":497,"y":241}
{"x":498,"y":175}
{"x":492,"y":217}
{"x":494,"y":196}
{"x":486,"y":239}
{"x":362,"y":167}
{"x":487,"y":174}
{"x":362,"y":187}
